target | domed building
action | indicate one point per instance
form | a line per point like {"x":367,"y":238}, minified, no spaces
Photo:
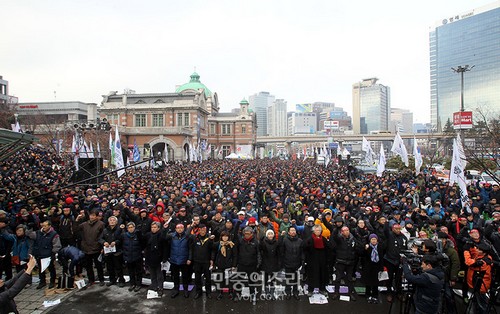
{"x":171,"y":125}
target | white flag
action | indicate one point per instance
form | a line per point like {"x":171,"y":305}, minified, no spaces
{"x":74,"y":149}
{"x":90,"y":153}
{"x":457,"y":173}
{"x":417,"y":155}
{"x":98,"y":150}
{"x":381,"y":162}
{"x":118,"y":154}
{"x":366,"y":147}
{"x":165,"y":153}
{"x":399,"y":148}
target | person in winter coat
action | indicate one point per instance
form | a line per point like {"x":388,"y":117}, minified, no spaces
{"x":202,"y":247}
{"x":428,"y":284}
{"x":22,"y":249}
{"x":132,"y":256}
{"x":373,"y":257}
{"x":181,"y":255}
{"x":157,"y":214}
{"x":224,"y":259}
{"x":249,"y":258}
{"x":396,"y":241}
{"x":270,"y":261}
{"x":479,"y":273}
{"x":11,"y":288}
{"x":72,"y":253}
{"x":292,"y":258}
{"x":111,"y":239}
{"x":346,"y":257}
{"x":141,"y":219}
{"x":316,"y":248}
{"x":46,"y":244}
{"x":154,"y":254}
{"x":445,"y":245}
{"x":90,"y":232}
{"x":66,"y":222}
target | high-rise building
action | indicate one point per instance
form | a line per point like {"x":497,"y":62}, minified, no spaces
{"x":302,"y":123}
{"x":259,"y":103}
{"x":471,"y":38}
{"x":276,"y":118}
{"x":401,"y":121}
{"x":370,"y":106}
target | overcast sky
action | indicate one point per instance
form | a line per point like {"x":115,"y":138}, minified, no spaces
{"x":301,"y":51}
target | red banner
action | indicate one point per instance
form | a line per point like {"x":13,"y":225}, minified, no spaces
{"x":462,"y":120}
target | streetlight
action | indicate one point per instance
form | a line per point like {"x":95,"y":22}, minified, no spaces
{"x":462,"y":69}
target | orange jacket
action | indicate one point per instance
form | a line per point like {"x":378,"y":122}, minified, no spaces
{"x":470,"y":258}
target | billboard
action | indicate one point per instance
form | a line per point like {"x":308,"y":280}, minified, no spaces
{"x":337,"y":114}
{"x":462,"y":120}
{"x":331,"y":125}
{"x":303,"y":108}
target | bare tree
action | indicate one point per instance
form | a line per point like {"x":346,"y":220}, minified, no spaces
{"x":482,"y":143}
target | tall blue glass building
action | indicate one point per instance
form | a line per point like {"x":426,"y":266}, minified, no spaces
{"x":471,"y":38}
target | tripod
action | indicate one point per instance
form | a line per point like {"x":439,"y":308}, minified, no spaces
{"x":405,"y":294}
{"x":475,"y":303}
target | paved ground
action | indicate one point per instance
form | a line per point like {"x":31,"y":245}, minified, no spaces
{"x":30,"y":300}
{"x":98,"y":299}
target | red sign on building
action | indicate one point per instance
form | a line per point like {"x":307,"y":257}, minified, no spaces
{"x":462,"y":120}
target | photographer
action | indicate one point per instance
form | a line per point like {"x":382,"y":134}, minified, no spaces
{"x":479,"y":273}
{"x":428,"y":284}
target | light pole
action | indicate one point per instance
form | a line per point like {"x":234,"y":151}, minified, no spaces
{"x":462,"y":69}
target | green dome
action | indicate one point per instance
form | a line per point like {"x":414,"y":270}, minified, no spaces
{"x":244,"y":102}
{"x":194,"y":84}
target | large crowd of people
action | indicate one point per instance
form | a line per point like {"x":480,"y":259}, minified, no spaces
{"x":238,"y":218}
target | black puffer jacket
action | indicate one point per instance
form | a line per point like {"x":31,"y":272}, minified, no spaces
{"x":112,"y":235}
{"x":291,"y":252}
{"x":132,"y":250}
{"x":155,"y":250}
{"x":248,"y":253}
{"x":270,"y":255}
{"x":345,"y":248}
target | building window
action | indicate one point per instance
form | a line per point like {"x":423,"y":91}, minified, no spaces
{"x":179,"y":119}
{"x":183,"y":119}
{"x":157,"y":119}
{"x":112,"y":118}
{"x":243,"y":129}
{"x":226,"y":129}
{"x":140,"y":120}
{"x":212,"y":128}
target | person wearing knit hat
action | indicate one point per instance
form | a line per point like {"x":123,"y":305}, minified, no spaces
{"x":270,"y":261}
{"x":372,"y":265}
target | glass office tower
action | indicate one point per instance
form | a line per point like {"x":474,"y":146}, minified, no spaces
{"x":471,"y":38}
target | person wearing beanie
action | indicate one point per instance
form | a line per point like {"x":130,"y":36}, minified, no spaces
{"x":372,"y":264}
{"x":270,"y":261}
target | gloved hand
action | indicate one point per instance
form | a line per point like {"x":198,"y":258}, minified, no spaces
{"x":404,"y":259}
{"x":487,"y":260}
{"x":478,"y":263}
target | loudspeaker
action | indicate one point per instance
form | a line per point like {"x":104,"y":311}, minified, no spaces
{"x":88,"y":168}
{"x":90,"y":163}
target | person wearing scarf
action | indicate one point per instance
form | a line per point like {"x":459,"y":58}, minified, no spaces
{"x":224,"y":261}
{"x":373,"y":264}
{"x":316,"y":248}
